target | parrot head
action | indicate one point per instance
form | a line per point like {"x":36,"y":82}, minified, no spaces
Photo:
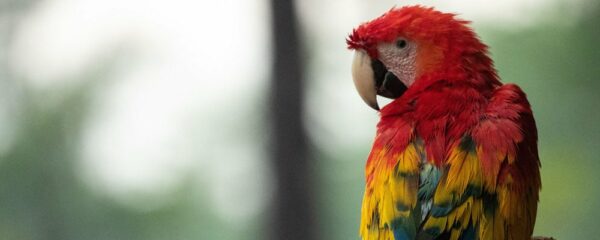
{"x":415,"y":45}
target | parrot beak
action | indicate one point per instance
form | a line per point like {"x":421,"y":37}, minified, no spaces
{"x":364,"y":78}
{"x":371,"y":78}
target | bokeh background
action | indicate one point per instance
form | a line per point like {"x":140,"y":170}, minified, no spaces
{"x":147,"y":119}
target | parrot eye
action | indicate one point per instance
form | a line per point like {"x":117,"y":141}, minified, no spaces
{"x":401,"y":43}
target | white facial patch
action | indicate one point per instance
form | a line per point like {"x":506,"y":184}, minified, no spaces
{"x":399,"y":61}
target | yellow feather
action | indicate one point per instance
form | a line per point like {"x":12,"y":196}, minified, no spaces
{"x":392,"y":186}
{"x":393,"y":180}
{"x":464,"y":171}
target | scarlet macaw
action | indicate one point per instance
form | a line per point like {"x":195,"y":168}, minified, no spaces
{"x":455,"y":154}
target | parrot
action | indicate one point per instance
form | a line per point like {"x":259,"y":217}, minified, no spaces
{"x":455,"y":150}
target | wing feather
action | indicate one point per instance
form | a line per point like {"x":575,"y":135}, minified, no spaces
{"x":487,"y":188}
{"x":491,"y":178}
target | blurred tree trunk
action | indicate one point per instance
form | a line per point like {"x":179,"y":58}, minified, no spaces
{"x":293,"y":210}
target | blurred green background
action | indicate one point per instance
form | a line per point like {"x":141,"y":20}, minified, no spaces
{"x":146,"y":119}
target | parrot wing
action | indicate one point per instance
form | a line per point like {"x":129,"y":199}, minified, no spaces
{"x":488,"y":188}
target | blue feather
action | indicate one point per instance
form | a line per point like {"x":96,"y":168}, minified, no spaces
{"x":469,"y":234}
